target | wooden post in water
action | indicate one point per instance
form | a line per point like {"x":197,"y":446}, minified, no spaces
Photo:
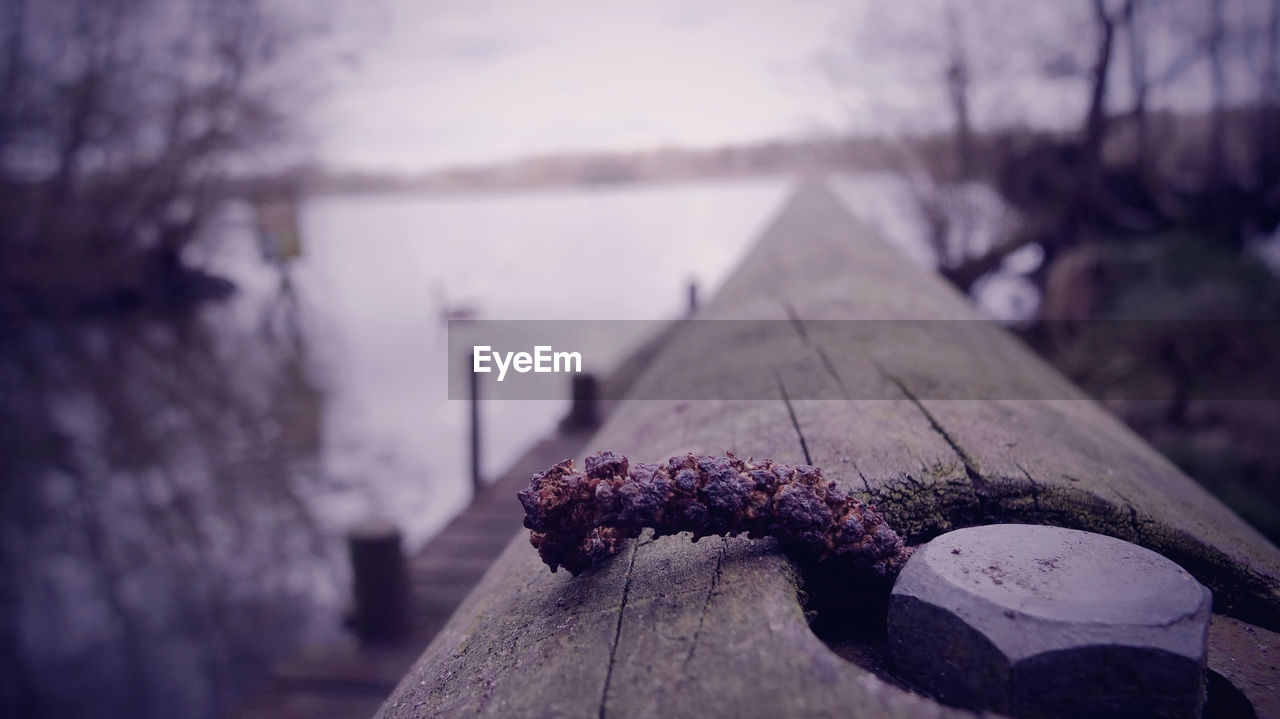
{"x":381,"y":581}
{"x":584,"y":413}
{"x":474,"y":384}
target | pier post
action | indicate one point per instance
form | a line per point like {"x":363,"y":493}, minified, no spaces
{"x":474,"y":385}
{"x":584,"y":413}
{"x":381,"y":582}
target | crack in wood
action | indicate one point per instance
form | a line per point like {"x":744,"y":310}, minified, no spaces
{"x":979,"y":482}
{"x":617,"y":632}
{"x":830,"y":366}
{"x":706,"y":603}
{"x":819,"y":349}
{"x":1035,"y":488}
{"x":863,"y":477}
{"x":794,"y":316}
{"x":795,"y":422}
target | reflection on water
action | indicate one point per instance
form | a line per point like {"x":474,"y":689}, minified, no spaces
{"x":157,"y":546}
{"x":174,"y":490}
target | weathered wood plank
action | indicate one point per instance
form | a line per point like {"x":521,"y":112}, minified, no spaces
{"x":671,"y":628}
{"x":1060,"y":460}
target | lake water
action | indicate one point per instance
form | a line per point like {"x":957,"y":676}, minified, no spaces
{"x":176,"y":489}
{"x":379,"y":273}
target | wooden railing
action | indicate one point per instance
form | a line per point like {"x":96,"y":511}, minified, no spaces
{"x":719,"y":628}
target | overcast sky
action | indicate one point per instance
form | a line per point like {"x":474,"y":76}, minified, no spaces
{"x":462,"y":81}
{"x":429,"y":83}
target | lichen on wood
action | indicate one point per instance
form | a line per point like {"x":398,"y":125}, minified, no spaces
{"x":580,"y":519}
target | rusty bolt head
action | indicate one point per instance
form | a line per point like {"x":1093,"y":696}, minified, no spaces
{"x":1049,"y":622}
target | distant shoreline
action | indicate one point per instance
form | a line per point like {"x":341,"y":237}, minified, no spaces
{"x":595,"y":169}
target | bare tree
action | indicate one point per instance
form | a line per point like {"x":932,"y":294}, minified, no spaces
{"x":1095,"y":120}
{"x":1182,"y":105}
{"x":121,"y":121}
{"x":1215,"y":39}
{"x":958,"y":75}
{"x":1267,"y":162}
{"x":1133,"y":16}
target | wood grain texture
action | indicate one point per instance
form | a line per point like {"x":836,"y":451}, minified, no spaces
{"x":673,"y":628}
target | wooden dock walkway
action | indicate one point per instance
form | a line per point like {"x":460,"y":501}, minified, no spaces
{"x":723,"y":627}
{"x":347,"y":680}
{"x":351,"y":680}
{"x":924,"y":430}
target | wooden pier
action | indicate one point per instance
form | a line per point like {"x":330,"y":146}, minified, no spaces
{"x":723,"y":627}
{"x":350,"y":680}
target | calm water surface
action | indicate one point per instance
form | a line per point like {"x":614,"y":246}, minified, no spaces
{"x":175,"y":489}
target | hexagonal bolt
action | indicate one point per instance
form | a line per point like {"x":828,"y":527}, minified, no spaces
{"x":1049,"y":622}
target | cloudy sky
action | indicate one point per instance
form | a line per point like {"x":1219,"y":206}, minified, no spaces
{"x":423,"y":84}
{"x":435,"y":83}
